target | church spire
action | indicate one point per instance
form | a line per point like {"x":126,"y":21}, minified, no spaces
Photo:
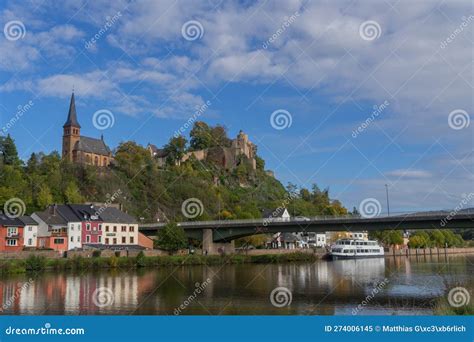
{"x":72,"y":116}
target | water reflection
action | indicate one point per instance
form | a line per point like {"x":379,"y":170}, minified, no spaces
{"x":317,"y":288}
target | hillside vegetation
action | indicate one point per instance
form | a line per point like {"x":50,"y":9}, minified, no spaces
{"x":150,"y":192}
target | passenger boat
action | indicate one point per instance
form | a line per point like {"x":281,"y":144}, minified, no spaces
{"x":355,"y":249}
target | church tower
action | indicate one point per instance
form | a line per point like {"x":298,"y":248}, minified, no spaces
{"x":71,"y":131}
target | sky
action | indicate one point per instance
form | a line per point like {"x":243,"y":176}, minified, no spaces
{"x":348,"y":95}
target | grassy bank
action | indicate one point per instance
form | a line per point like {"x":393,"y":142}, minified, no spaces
{"x":38,"y":263}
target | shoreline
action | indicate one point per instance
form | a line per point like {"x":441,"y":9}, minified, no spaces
{"x":37,"y":263}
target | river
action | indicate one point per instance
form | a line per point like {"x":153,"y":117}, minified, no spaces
{"x":344,"y":287}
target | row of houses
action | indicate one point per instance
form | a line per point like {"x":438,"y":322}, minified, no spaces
{"x":303,"y":239}
{"x":72,"y":227}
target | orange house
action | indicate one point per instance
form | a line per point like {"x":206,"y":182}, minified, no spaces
{"x":11,"y":234}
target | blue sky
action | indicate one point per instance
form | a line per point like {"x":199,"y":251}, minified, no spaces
{"x":326,"y":64}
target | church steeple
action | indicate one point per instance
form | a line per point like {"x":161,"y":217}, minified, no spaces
{"x":72,"y":115}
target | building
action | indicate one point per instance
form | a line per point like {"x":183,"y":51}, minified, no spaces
{"x":81,"y":149}
{"x":30,"y":231}
{"x":52,"y":229}
{"x":11,"y":234}
{"x":312,"y":240}
{"x":90,"y":222}
{"x":120,"y":229}
{"x":242,"y":150}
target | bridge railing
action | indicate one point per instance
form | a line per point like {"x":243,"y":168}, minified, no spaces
{"x":302,"y":220}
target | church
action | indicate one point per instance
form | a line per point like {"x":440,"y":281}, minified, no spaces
{"x":80,"y":149}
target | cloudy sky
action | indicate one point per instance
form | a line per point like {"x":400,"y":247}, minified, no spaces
{"x":349,"y":95}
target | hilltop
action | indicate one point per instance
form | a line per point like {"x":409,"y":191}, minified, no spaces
{"x":151,"y":190}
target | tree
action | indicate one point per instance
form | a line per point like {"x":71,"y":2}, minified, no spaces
{"x":44,"y":197}
{"x":200,"y":136}
{"x":72,"y":193}
{"x":176,"y":148}
{"x":171,"y":238}
{"x":9,"y":151}
{"x":260,"y":163}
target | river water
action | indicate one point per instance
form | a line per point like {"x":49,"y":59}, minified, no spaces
{"x":343,"y":287}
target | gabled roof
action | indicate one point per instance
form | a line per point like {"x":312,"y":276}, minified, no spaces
{"x":114,"y":215}
{"x":92,"y":145}
{"x":51,"y":216}
{"x":72,"y":115}
{"x":7,"y":221}
{"x":157,"y":152}
{"x":273,"y":213}
{"x":84,"y":212}
{"x":28,"y":220}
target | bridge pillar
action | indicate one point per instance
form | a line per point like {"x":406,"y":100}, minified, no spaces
{"x":215,"y":248}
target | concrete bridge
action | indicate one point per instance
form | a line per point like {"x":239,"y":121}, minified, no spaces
{"x":220,"y":234}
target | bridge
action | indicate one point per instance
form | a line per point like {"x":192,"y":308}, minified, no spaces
{"x":220,"y":234}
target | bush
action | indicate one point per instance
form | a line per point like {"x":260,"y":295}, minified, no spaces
{"x":140,"y":259}
{"x":113,"y":261}
{"x":35,"y":263}
{"x":96,"y":253}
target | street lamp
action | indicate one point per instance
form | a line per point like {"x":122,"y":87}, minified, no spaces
{"x":388,"y":203}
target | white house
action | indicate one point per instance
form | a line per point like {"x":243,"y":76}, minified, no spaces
{"x":30,"y":231}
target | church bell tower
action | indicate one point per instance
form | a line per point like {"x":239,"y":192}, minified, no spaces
{"x":71,"y":131}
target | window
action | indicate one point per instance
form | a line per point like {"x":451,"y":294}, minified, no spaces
{"x":100,"y":227}
{"x":131,"y":239}
{"x":124,"y":240}
{"x":78,"y":239}
{"x":106,"y":228}
{"x":99,"y":239}
{"x":106,"y":241}
{"x":11,"y":242}
{"x":30,"y":228}
{"x":115,"y":228}
{"x":79,"y":227}
{"x":115,"y":241}
{"x":58,"y":241}
{"x":124,"y":228}
{"x":131,"y":228}
{"x":72,"y":238}
{"x":30,"y":242}
{"x":12,"y":231}
{"x":88,"y":226}
{"x":72,"y":227}
{"x":88,"y":238}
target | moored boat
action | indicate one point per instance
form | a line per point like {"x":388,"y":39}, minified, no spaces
{"x":355,"y":249}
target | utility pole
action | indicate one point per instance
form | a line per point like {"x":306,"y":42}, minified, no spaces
{"x":388,"y":203}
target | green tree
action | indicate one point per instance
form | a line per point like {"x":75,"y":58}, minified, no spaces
{"x":44,"y":197}
{"x":72,"y":193}
{"x":200,"y":136}
{"x":9,"y":152}
{"x":175,"y":148}
{"x":171,"y":238}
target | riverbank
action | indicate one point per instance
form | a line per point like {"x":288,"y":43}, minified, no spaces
{"x":39,"y":263}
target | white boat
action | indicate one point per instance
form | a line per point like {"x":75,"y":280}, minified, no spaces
{"x":355,"y":249}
